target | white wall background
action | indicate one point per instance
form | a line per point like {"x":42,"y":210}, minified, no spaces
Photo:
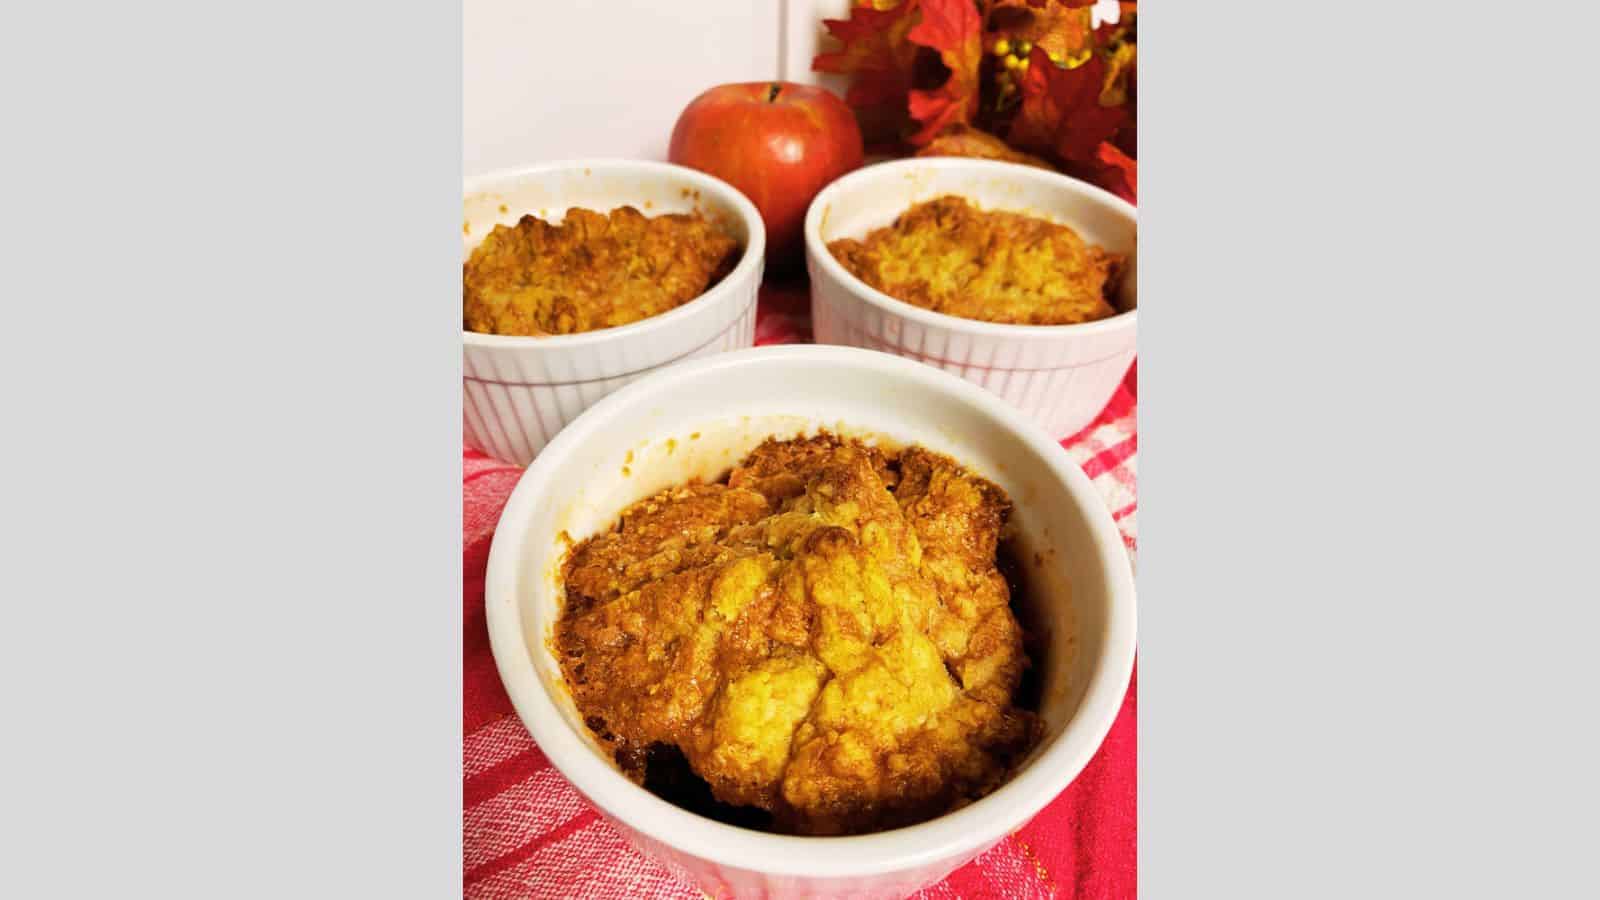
{"x":550,"y":80}
{"x":547,"y":80}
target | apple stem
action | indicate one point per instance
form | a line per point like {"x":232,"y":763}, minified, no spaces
{"x":773,"y":93}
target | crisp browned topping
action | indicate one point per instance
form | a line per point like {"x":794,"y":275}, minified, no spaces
{"x":948,"y":256}
{"x":591,"y":271}
{"x":824,"y":636}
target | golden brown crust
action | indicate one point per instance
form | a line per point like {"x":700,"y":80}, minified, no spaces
{"x":974,"y":143}
{"x":948,"y":256}
{"x":591,"y":271}
{"x":825,"y":636}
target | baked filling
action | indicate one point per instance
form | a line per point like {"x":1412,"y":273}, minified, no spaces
{"x":951,"y":257}
{"x":823,"y":638}
{"x":591,"y":271}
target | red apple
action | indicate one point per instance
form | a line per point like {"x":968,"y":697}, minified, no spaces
{"x":777,"y":142}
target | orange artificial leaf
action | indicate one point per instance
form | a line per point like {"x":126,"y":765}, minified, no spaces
{"x":964,"y":140}
{"x":1061,"y":110}
{"x":1120,"y":174}
{"x":955,"y":29}
{"x":875,"y":50}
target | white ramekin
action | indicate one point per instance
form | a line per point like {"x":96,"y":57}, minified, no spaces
{"x":696,"y":419}
{"x":1061,"y":376}
{"x":520,"y":391}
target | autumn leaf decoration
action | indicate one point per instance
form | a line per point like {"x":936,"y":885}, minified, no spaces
{"x":1119,"y":173}
{"x":954,"y":28}
{"x":1061,"y":111}
{"x":874,"y":48}
{"x":882,"y":49}
{"x":1063,"y":98}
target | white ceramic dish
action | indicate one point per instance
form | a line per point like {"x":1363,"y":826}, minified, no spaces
{"x":520,"y":391}
{"x":1061,"y":376}
{"x":695,"y":420}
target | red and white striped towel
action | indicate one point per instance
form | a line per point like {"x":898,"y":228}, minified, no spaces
{"x":527,"y":833}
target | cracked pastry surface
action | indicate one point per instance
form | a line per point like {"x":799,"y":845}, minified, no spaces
{"x":824,"y":636}
{"x":591,"y":271}
{"x":951,"y":257}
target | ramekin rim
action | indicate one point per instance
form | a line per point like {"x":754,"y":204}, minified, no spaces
{"x":750,"y":263}
{"x":974,"y":826}
{"x":817,"y":251}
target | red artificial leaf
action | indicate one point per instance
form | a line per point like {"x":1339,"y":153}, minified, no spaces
{"x":947,"y":23}
{"x":954,"y":28}
{"x":879,"y":48}
{"x":874,"y":50}
{"x":1061,"y":110}
{"x":1120,"y":172}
